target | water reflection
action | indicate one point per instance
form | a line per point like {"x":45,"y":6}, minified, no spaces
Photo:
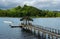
{"x":27,"y":35}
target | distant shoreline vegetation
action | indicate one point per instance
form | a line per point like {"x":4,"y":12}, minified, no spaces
{"x":28,"y":11}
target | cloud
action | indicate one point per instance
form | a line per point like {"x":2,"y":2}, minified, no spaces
{"x":41,"y":4}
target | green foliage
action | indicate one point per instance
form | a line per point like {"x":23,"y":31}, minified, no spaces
{"x":28,"y":11}
{"x":58,"y":14}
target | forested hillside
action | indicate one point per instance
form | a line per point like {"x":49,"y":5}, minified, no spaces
{"x":28,"y":11}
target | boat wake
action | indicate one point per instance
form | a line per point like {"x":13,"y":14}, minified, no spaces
{"x":7,"y":22}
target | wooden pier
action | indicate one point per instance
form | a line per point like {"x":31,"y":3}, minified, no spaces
{"x":15,"y":26}
{"x":43,"y":31}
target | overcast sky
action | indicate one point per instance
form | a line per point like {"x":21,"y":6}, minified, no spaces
{"x":41,"y":4}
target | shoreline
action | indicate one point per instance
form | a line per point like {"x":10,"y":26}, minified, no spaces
{"x":31,"y":17}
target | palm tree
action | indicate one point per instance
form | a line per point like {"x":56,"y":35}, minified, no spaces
{"x":27,"y":19}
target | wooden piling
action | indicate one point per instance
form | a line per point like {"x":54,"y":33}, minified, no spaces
{"x":44,"y":35}
{"x":39,"y":36}
{"x":31,"y":29}
{"x":38,"y":33}
{"x":56,"y":38}
{"x":34,"y":31}
{"x":26,"y":29}
{"x":48,"y":36}
{"x":52,"y":37}
{"x":49,"y":31}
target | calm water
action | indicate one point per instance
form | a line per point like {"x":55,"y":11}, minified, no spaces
{"x":6,"y":32}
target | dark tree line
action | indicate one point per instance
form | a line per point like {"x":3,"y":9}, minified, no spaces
{"x":28,"y":11}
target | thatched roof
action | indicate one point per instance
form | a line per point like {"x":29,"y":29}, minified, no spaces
{"x":26,"y":18}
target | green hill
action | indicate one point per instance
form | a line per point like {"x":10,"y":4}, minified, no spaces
{"x":28,"y":11}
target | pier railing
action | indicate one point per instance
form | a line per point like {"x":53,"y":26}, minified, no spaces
{"x":43,"y":32}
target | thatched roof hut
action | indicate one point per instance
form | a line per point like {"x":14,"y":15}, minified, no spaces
{"x":27,"y":19}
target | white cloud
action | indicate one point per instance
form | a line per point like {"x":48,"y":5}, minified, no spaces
{"x":43,"y":4}
{"x":29,"y":2}
{"x":44,"y":0}
{"x":55,"y":1}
